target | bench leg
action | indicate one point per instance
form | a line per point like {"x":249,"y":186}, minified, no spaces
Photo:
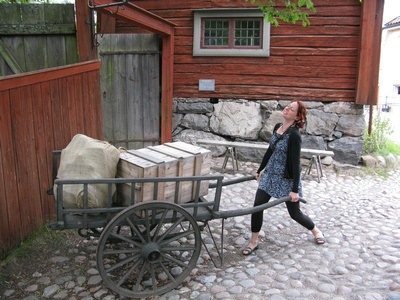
{"x":317,"y":161}
{"x":319,"y":165}
{"x":234,"y":159}
{"x":231,"y":153}
{"x":309,"y":166}
{"x":225,"y":161}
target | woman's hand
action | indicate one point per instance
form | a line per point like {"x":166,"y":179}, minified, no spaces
{"x":258,"y":175}
{"x":294,"y":197}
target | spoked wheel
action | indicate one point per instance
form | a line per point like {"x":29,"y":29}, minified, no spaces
{"x":148,"y":249}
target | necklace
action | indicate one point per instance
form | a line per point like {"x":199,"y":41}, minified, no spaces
{"x":281,"y":131}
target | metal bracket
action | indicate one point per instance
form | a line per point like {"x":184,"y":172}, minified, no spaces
{"x":91,"y":6}
{"x":91,"y":21}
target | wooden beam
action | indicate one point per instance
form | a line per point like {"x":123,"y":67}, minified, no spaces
{"x":136,"y":15}
{"x":84,"y":36}
{"x":167,"y":73}
{"x":369,"y":54}
{"x":29,"y":78}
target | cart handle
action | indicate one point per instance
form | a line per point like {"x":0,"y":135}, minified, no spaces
{"x":232,"y":181}
{"x":251,"y":210}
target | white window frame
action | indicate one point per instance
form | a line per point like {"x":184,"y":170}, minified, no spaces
{"x":230,"y":13}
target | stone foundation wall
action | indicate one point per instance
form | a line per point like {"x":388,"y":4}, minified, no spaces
{"x":335,"y":126}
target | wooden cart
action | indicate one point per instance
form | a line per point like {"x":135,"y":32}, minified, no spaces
{"x":147,"y":248}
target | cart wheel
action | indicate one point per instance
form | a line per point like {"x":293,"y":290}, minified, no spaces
{"x":148,"y":249}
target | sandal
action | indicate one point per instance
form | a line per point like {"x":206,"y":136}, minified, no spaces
{"x":248,"y":250}
{"x":320,"y":240}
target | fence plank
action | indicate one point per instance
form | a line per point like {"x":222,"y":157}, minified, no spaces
{"x":15,"y":45}
{"x":20,"y":117}
{"x":79,"y":103}
{"x":43,"y":146}
{"x":9,"y":58}
{"x":9,"y":233}
{"x":35,"y":52}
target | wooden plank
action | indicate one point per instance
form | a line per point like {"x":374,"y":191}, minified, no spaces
{"x":9,"y":14}
{"x":36,"y":53}
{"x":55,"y":44}
{"x":26,"y":174}
{"x":16,"y":45}
{"x":93,"y":106}
{"x":9,"y":234}
{"x":167,"y":93}
{"x":78,"y":101}
{"x":320,"y":41}
{"x":61,"y":94}
{"x":36,"y":19}
{"x":10,"y":59}
{"x":10,"y":82}
{"x":29,"y":164}
{"x":290,"y":61}
{"x":5,"y":69}
{"x":107,"y":91}
{"x":71,"y":51}
{"x":56,"y":109}
{"x":118,"y":42}
{"x":305,"y":82}
{"x":151,"y":95}
{"x":41,"y":151}
{"x":226,"y":69}
{"x":46,"y":145}
{"x":136,"y":85}
{"x":88,"y":107}
{"x":269,"y":92}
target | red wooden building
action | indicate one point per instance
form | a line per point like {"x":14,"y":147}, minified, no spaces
{"x":336,"y":58}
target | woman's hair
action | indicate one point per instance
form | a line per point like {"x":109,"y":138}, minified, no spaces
{"x":301,"y":115}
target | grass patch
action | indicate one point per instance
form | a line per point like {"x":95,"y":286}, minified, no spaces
{"x":37,"y":242}
{"x":378,"y":142}
{"x":393,"y":148}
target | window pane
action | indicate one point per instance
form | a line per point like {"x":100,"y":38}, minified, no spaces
{"x":247,"y":33}
{"x":216,"y":33}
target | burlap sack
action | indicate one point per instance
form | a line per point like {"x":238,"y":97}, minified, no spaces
{"x":87,"y":158}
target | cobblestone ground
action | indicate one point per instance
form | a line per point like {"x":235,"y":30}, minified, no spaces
{"x":358,"y":213}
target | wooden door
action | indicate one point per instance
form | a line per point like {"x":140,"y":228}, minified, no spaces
{"x":130,"y":89}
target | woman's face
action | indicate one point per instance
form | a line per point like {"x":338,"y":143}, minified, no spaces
{"x":290,"y":111}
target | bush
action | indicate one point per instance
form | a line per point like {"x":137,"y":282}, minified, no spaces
{"x":377,"y":142}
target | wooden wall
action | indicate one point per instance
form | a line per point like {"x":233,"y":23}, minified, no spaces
{"x":36,"y":36}
{"x":40,"y":112}
{"x":318,"y":62}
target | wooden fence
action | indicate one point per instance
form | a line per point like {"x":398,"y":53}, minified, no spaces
{"x":36,"y":36}
{"x":39,"y":112}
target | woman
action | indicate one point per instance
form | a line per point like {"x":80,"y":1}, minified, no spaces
{"x":279,"y":173}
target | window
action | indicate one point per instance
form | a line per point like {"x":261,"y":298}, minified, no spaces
{"x":230,"y":33}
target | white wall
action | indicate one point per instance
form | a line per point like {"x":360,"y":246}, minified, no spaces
{"x":389,"y":79}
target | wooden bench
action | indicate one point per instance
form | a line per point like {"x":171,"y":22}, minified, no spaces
{"x":231,"y":154}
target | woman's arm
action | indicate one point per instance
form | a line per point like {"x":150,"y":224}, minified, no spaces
{"x":293,"y":159}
